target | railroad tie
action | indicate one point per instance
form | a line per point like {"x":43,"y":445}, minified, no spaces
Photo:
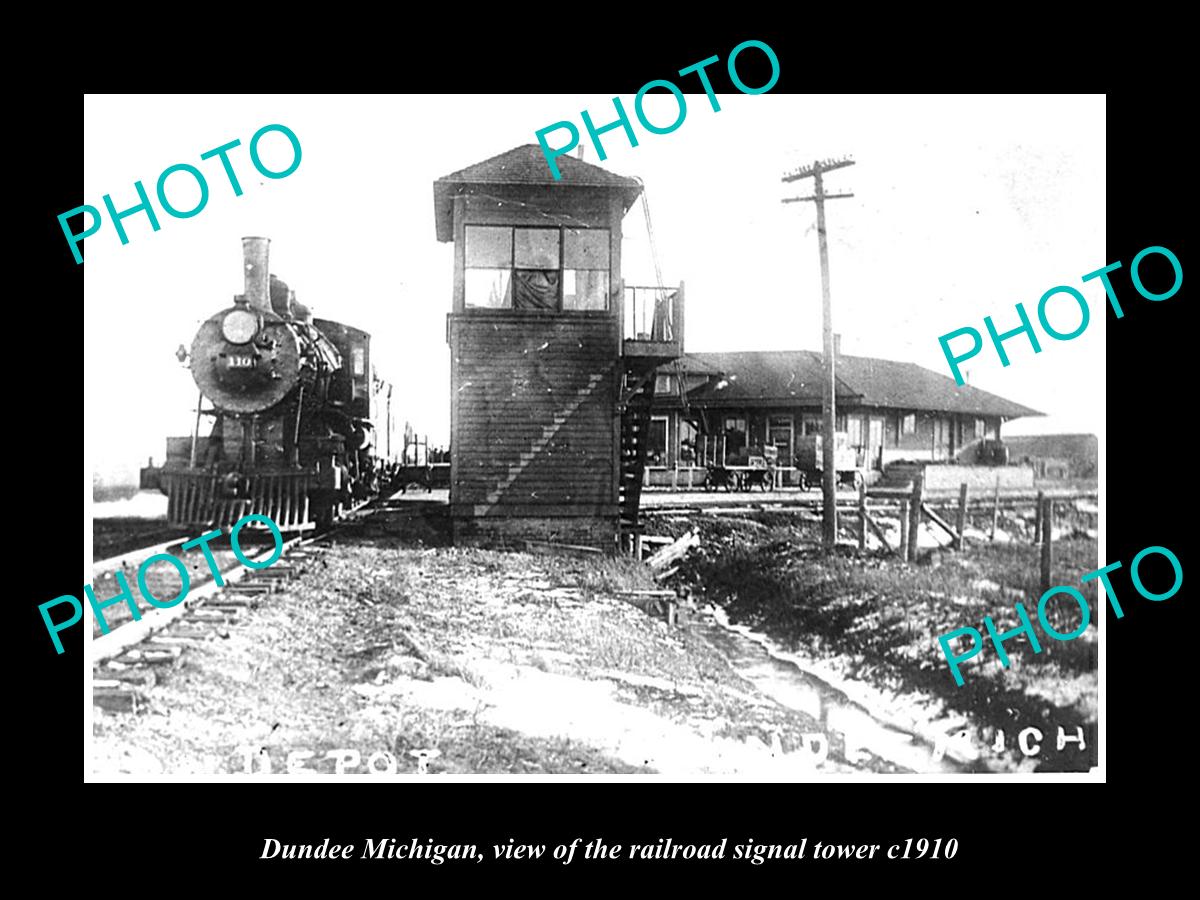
{"x":148,"y":655}
{"x":116,"y":696}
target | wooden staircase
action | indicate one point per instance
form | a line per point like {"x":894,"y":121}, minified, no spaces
{"x":635,"y":429}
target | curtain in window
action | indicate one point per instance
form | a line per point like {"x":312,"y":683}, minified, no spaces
{"x":535,"y":289}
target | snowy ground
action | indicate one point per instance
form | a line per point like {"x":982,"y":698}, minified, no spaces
{"x":485,"y":662}
{"x":143,"y":505}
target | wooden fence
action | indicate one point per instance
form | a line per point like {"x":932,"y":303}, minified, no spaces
{"x":916,"y":509}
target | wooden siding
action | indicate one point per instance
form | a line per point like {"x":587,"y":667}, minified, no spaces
{"x":529,"y":205}
{"x":535,"y":430}
{"x":534,"y":397}
{"x":585,"y":531}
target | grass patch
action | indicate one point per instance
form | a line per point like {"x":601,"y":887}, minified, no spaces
{"x":881,"y":619}
{"x":610,"y":575}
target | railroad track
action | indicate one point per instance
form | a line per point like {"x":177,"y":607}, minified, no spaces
{"x":127,"y":661}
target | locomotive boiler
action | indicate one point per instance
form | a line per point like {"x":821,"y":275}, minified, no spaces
{"x":292,"y":402}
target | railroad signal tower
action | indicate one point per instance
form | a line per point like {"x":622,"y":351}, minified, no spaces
{"x":552,"y":355}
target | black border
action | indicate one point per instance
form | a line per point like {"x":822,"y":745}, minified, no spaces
{"x":219,"y":833}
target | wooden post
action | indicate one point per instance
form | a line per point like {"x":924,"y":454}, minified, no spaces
{"x":904,"y":531}
{"x":995,"y":508}
{"x":1037,"y":518}
{"x":862,"y":515}
{"x":828,"y":365}
{"x":961,"y":523}
{"x":1047,"y":518}
{"x":914,"y":513}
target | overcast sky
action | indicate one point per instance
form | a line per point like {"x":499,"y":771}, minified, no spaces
{"x":963,"y":207}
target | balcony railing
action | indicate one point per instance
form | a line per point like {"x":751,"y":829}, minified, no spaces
{"x":654,"y":313}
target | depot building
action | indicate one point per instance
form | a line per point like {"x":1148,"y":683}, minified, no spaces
{"x":722,"y":409}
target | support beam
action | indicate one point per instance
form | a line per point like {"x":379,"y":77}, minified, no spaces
{"x":880,"y":534}
{"x":961,"y":523}
{"x":862,"y":515}
{"x":1047,"y":544}
{"x":914,"y":513}
{"x":939,"y":521}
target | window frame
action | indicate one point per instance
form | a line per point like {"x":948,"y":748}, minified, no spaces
{"x":666,"y":445}
{"x":560,"y":308}
{"x":726,"y":431}
{"x":693,"y":436}
{"x":856,"y":428}
{"x":772,"y":420}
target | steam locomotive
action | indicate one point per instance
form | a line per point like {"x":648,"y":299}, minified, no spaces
{"x":293,"y":406}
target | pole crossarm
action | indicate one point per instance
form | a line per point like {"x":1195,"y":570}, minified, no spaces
{"x":821,"y":165}
{"x":801,"y":199}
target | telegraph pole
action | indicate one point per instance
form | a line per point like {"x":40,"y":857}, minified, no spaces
{"x":829,"y":438}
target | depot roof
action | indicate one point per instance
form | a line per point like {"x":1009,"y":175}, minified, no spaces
{"x":795,"y":378}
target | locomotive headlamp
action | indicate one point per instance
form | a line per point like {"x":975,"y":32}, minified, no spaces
{"x":239,"y":326}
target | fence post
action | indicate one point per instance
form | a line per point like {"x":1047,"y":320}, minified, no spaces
{"x":914,"y":513}
{"x":1047,"y":543}
{"x":995,"y":508}
{"x":961,"y":523}
{"x":1037,"y":518}
{"x":862,"y":515}
{"x":904,"y":531}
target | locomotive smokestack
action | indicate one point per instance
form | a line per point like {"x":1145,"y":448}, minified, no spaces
{"x":256,"y":254}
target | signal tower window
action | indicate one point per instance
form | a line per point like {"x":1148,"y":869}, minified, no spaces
{"x":551,"y":269}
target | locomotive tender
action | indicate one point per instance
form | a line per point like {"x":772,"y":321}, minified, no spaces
{"x":292,"y":401}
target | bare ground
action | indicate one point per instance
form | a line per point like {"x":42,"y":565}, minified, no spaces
{"x":488,"y":662}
